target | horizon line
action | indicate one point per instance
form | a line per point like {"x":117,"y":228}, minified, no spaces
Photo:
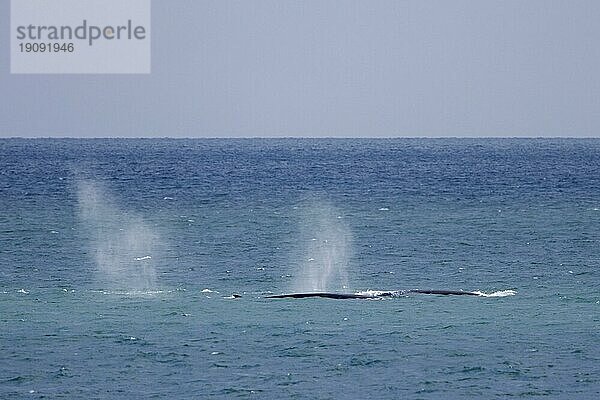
{"x":296,"y":137}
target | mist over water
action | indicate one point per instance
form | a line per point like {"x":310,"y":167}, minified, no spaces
{"x":326,"y":245}
{"x":124,"y":246}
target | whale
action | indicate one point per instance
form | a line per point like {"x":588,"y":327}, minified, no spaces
{"x":326,"y":295}
{"x":372,"y":295}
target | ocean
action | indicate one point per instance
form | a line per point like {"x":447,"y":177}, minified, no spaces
{"x":138,"y":268}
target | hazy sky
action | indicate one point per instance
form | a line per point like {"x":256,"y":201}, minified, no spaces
{"x":332,"y":68}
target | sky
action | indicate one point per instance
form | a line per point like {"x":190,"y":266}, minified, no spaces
{"x":323,"y":68}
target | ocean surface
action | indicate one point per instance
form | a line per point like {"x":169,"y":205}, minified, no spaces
{"x":137,"y":269}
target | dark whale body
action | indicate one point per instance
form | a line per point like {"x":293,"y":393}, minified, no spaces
{"x":326,"y":295}
{"x":330,"y":295}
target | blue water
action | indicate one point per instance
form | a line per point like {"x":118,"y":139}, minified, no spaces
{"x":118,"y":259}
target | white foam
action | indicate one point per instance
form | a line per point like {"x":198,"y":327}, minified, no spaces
{"x":374,"y":293}
{"x":143,"y":258}
{"x":500,"y":293}
{"x":22,"y":291}
{"x":208,"y":291}
{"x":133,"y":293}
